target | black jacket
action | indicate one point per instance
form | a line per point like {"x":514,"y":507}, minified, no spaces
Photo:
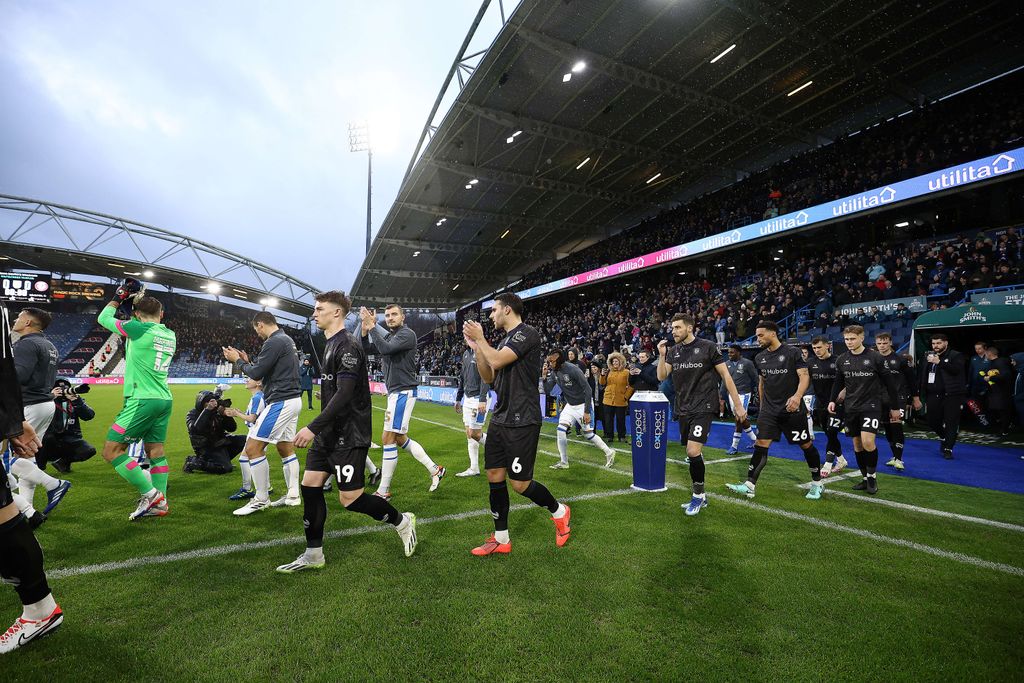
{"x":207,"y":429}
{"x":66,"y":418}
{"x":647,"y":380}
{"x":950,"y":375}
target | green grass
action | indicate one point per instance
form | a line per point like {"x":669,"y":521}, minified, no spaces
{"x":639,"y":593}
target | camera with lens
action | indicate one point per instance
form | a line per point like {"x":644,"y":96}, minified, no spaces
{"x":71,"y":390}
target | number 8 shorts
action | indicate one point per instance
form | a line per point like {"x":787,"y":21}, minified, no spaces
{"x":695,"y":427}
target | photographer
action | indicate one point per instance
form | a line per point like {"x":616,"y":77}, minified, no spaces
{"x":209,"y":426}
{"x":63,"y":443}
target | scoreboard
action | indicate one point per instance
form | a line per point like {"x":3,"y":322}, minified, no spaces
{"x":25,"y":287}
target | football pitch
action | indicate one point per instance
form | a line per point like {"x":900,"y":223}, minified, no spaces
{"x":780,"y":588}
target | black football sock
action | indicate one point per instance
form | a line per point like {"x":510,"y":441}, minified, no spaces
{"x":813,"y":458}
{"x":21,"y":561}
{"x":872,"y":461}
{"x":697,"y":473}
{"x":376,"y":507}
{"x":314,"y":514}
{"x":757,"y":462}
{"x":499,"y":505}
{"x":540,"y":495}
{"x":833,"y":448}
{"x":862,"y":462}
{"x":894,"y":433}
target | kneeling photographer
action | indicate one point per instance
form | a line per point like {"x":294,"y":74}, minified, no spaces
{"x":63,"y":443}
{"x":209,"y":429}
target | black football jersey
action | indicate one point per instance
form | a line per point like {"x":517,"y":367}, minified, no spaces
{"x":823,"y":376}
{"x":778,"y":371}
{"x":863,"y":375}
{"x":902,"y":374}
{"x":517,"y":384}
{"x":345,"y":410}
{"x":695,"y":376}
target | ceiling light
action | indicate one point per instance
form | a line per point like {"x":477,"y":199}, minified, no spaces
{"x":240,"y":291}
{"x":147,"y":274}
{"x":683,"y":272}
{"x":474,"y":181}
{"x":903,"y":224}
{"x":582,"y":294}
{"x":776,"y":258}
{"x":455,"y":287}
{"x":415,"y":253}
{"x":719,"y":265}
{"x":731,"y":268}
{"x":724,"y":53}
{"x":780,"y":251}
{"x":579,"y":66}
{"x":213,"y":287}
{"x":582,"y":163}
{"x":566,"y":78}
{"x":272,"y":302}
{"x":653,"y":178}
{"x":127,"y":272}
{"x":441,"y":222}
{"x":116,"y":265}
{"x":504,"y":234}
{"x":511,"y":138}
{"x":799,"y":89}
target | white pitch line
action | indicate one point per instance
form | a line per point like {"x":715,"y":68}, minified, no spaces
{"x":927,"y":511}
{"x":217,"y":551}
{"x":863,"y":533}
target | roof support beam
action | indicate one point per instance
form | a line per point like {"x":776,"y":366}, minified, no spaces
{"x":584,"y":139}
{"x":458,"y":248}
{"x":497,"y":218}
{"x":435,"y":275}
{"x":650,"y":81}
{"x":498,"y":175}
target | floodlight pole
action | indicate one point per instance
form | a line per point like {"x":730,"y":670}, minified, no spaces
{"x":359,"y":141}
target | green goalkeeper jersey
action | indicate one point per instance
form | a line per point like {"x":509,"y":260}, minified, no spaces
{"x":150,"y":350}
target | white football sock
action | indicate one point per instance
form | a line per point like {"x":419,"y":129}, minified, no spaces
{"x":591,"y":436}
{"x":290,"y":465}
{"x":736,"y":439}
{"x":39,"y":610}
{"x":474,"y":454}
{"x":502,"y":536}
{"x":387,"y":467}
{"x":483,"y":438}
{"x":27,"y":471}
{"x":749,"y":431}
{"x":261,"y":477}
{"x":420,"y":455}
{"x":370,"y":466}
{"x":563,"y":443}
{"x":243,"y":463}
{"x":560,"y":512}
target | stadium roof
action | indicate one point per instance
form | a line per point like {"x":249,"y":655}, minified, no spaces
{"x":40,"y":235}
{"x":583,"y":117}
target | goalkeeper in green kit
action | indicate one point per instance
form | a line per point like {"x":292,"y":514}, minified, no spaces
{"x":147,"y":399}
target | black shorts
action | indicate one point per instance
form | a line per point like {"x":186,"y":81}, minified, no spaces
{"x":863,"y":421}
{"x":826,"y":420}
{"x":514,"y":448}
{"x":695,"y":427}
{"x":348,"y":465}
{"x":772,"y":426}
{"x":6,"y":495}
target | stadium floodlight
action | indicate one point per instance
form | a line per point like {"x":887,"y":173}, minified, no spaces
{"x":902,"y":224}
{"x":505,"y":234}
{"x":653,"y":178}
{"x":724,"y":53}
{"x":440,"y":222}
{"x":133,"y":274}
{"x":148,"y":274}
{"x":582,"y":163}
{"x":272,"y":302}
{"x":511,"y":138}
{"x":359,"y":141}
{"x":456,"y":287}
{"x":212,"y":288}
{"x":579,"y":66}
{"x":780,"y":251}
{"x":567,"y":77}
{"x":415,"y":253}
{"x":793,"y":92}
{"x":474,"y":181}
{"x":116,"y":265}
{"x":682,"y":272}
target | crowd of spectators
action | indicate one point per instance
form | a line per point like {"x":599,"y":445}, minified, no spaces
{"x":984,"y":121}
{"x":200,"y":340}
{"x":727,"y":305}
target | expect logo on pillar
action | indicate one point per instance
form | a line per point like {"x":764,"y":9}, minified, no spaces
{"x":639,"y":427}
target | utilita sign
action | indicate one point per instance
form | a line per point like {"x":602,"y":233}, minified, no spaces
{"x":961,"y":175}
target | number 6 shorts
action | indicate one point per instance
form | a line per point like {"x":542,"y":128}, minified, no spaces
{"x":348,"y":465}
{"x":141,"y":419}
{"x":514,"y":448}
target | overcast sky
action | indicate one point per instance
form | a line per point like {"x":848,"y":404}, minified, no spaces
{"x":225,"y":121}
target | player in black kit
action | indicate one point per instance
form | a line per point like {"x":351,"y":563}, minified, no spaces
{"x":822,"y":367}
{"x":513,"y":371}
{"x":784,"y":380}
{"x":906,"y":386}
{"x":860,"y":371}
{"x":340,"y":438}
{"x":696,"y":367}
